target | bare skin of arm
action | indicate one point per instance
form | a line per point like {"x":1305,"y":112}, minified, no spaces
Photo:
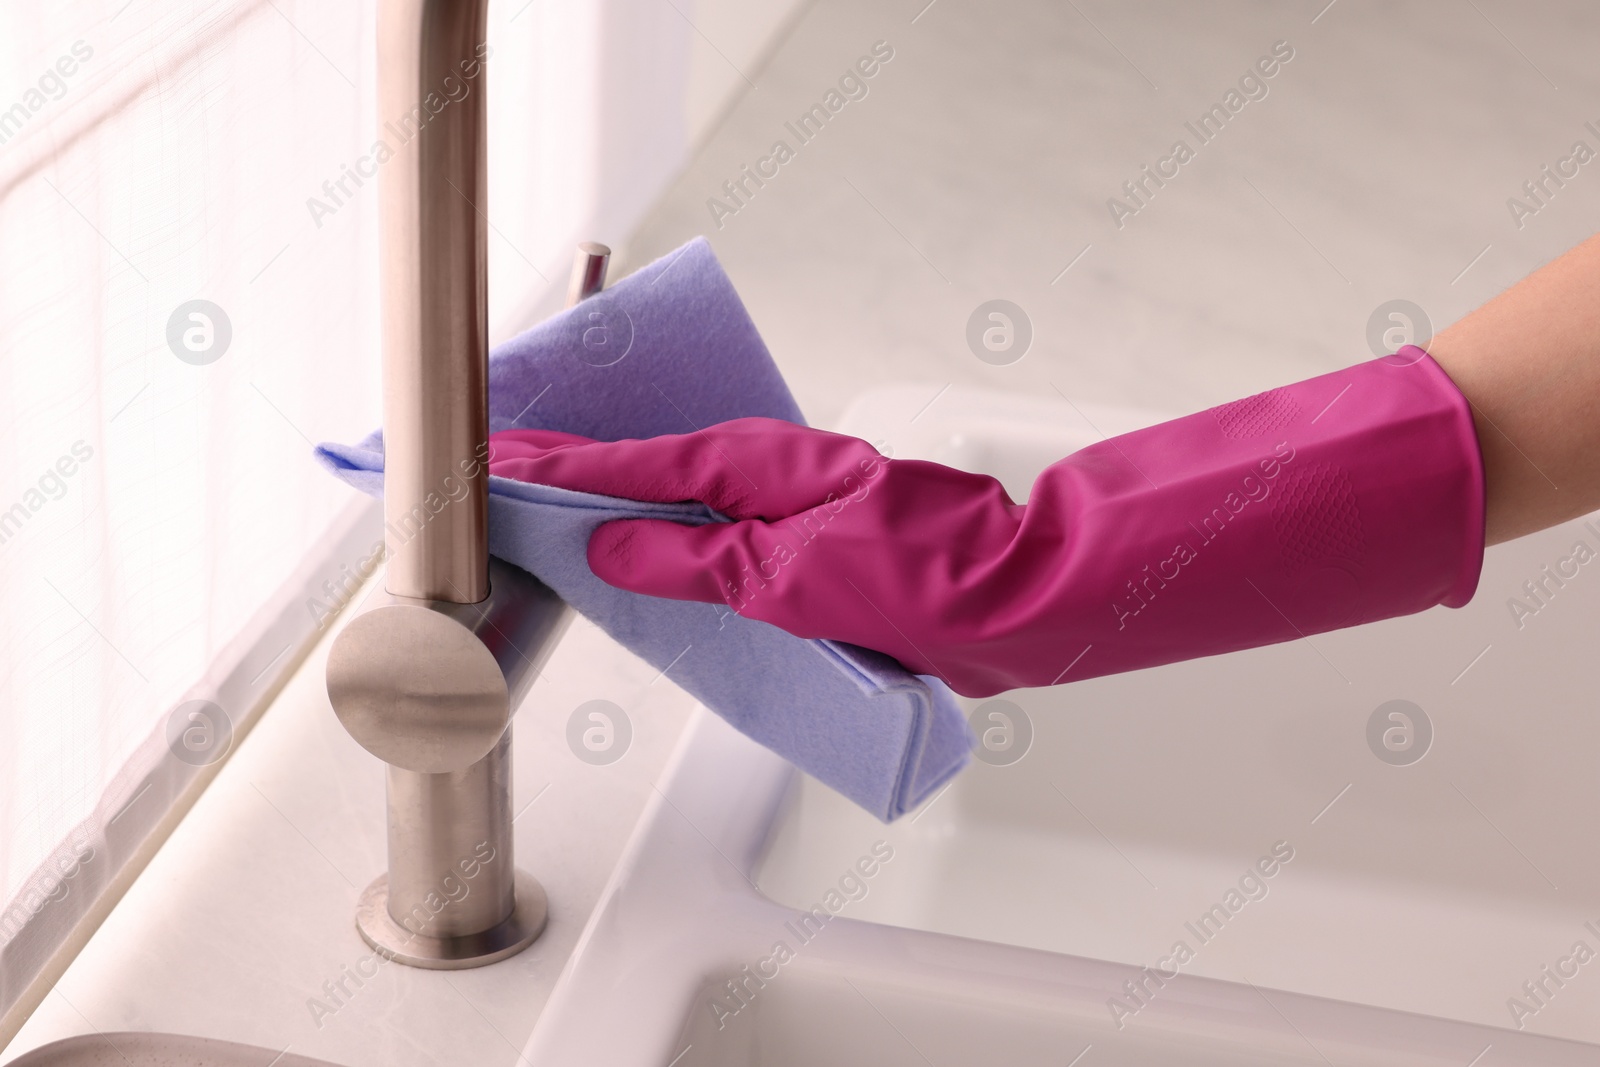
{"x":1529,"y":363}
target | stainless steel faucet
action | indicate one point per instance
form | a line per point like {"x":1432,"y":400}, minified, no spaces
{"x":428,"y":675}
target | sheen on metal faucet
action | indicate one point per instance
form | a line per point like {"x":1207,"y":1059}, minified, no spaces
{"x":428,"y":675}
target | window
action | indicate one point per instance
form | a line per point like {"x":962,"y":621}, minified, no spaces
{"x":188,"y":302}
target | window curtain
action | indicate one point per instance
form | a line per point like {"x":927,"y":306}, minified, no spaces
{"x":188,"y":302}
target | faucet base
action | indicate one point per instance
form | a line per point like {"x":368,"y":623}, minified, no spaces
{"x":506,"y":938}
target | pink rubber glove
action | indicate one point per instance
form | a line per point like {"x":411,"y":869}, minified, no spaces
{"x":1350,"y":497}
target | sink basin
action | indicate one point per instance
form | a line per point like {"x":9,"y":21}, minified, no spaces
{"x":157,"y":1050}
{"x":1345,"y":892}
{"x":1437,"y":880}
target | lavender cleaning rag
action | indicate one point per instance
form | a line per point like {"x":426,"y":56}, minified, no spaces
{"x":670,"y":349}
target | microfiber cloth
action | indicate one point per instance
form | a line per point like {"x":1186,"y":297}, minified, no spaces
{"x":671,"y":349}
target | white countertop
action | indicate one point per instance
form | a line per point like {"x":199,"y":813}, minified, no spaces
{"x":980,"y":162}
{"x":248,"y":910}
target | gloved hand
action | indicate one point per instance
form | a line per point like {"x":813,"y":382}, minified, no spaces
{"x":1350,"y":497}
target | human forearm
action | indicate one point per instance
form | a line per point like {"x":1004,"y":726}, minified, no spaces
{"x":1529,"y":363}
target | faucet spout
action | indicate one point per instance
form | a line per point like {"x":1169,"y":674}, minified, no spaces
{"x":434,"y":297}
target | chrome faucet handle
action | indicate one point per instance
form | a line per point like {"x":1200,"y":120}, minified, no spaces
{"x":589,"y":262}
{"x":430,"y":686}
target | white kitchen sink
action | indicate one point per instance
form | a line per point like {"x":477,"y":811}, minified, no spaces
{"x":1405,"y":900}
{"x":157,"y":1050}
